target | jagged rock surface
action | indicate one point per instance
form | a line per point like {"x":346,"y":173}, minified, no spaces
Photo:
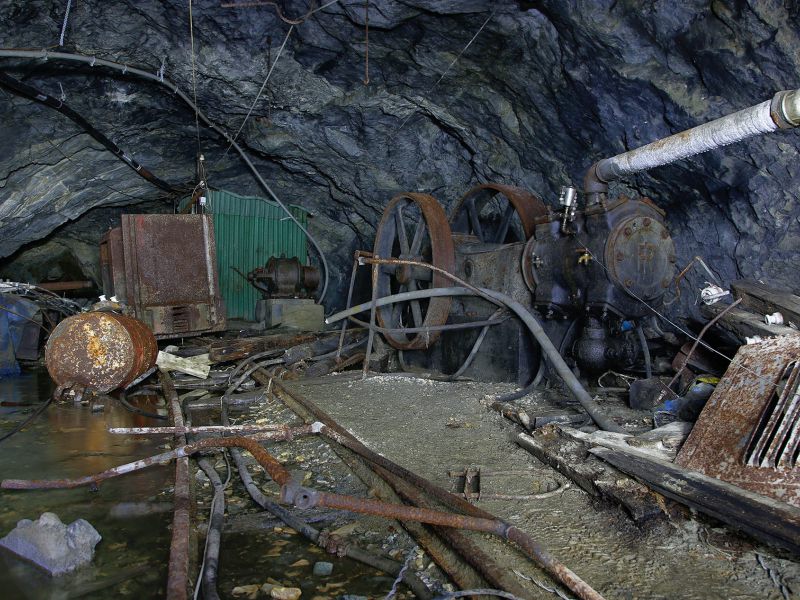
{"x":544,"y":90}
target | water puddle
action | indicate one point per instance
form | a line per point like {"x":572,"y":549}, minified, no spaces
{"x":132,"y":513}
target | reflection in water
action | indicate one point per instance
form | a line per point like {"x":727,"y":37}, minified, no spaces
{"x":67,"y":441}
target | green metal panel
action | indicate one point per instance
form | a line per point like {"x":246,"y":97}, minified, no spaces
{"x":248,"y":230}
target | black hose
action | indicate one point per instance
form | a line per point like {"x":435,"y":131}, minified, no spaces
{"x":135,"y":409}
{"x":23,"y":89}
{"x":39,"y":410}
{"x":556,"y":360}
{"x":214,"y":533}
{"x":648,"y":367}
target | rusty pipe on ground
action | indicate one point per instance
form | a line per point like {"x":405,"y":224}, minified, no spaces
{"x":178,"y":570}
{"x":781,"y":112}
{"x":303,"y":498}
{"x":522,"y":539}
{"x":275,"y":469}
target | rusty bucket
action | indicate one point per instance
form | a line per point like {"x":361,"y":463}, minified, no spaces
{"x":99,"y":351}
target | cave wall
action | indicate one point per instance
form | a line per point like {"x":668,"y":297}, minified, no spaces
{"x":544,"y":90}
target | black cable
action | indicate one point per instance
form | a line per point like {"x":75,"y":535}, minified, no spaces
{"x":648,"y":368}
{"x":139,"y":411}
{"x":23,"y":89}
{"x":40,"y":409}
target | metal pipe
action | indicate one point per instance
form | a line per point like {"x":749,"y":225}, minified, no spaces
{"x":346,"y":439}
{"x":781,"y":112}
{"x":160,"y":79}
{"x":556,"y":360}
{"x":178,"y":572}
{"x":303,"y":498}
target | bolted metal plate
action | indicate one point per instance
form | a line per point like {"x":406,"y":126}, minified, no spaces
{"x":99,"y":351}
{"x":749,"y":431}
{"x":639,"y":254}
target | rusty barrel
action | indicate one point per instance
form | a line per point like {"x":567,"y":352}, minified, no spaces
{"x":100,"y":351}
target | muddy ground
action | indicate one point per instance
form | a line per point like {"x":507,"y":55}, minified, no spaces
{"x":433,"y":427}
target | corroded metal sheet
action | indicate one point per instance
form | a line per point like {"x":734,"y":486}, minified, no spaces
{"x":755,"y":403}
{"x":100,"y":351}
{"x":171,"y":273}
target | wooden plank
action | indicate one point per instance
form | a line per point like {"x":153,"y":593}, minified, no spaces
{"x":743,"y":323}
{"x":196,"y":366}
{"x":570,"y":457}
{"x":237,"y":349}
{"x":764,"y":518}
{"x":767,"y":300}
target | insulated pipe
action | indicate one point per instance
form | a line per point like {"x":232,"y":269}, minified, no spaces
{"x":531,"y":323}
{"x":94,"y":61}
{"x":782,"y":112}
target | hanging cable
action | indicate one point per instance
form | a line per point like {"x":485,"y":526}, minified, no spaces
{"x":31,"y":93}
{"x":258,"y":95}
{"x":454,"y":61}
{"x":366,"y":42}
{"x":44,"y":54}
{"x":194,"y":79}
{"x":64,"y":24}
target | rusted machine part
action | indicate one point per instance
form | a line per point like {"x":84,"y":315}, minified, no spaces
{"x":285,"y":278}
{"x":99,"y":351}
{"x":431,"y":241}
{"x":483,"y":518}
{"x":465,"y":217}
{"x":748,"y":433}
{"x":178,"y":572}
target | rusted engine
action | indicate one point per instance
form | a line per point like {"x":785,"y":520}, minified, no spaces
{"x":589,"y":275}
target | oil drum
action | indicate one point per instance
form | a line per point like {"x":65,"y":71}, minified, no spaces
{"x":100,"y":351}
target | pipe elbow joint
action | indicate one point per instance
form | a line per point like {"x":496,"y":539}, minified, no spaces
{"x":785,"y":109}
{"x":593,"y":186}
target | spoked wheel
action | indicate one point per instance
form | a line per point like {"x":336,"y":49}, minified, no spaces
{"x":413,"y":226}
{"x":497,"y":214}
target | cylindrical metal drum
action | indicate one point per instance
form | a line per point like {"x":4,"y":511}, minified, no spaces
{"x":99,"y":351}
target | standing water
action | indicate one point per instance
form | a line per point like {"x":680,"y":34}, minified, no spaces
{"x":132,"y":513}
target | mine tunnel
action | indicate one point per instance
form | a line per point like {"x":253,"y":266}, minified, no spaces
{"x":360,"y":299}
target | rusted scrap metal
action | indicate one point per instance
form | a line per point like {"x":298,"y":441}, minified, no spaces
{"x":276,"y":428}
{"x":749,"y":431}
{"x":471,"y":481}
{"x":178,"y":572}
{"x":303,"y":498}
{"x":100,"y":351}
{"x":275,"y":470}
{"x":511,"y":533}
{"x":237,"y":349}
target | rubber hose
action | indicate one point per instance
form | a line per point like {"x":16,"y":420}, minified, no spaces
{"x":556,"y":360}
{"x":648,"y":367}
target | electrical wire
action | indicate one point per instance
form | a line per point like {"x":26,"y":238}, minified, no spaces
{"x":194,"y":79}
{"x":93,"y":61}
{"x":258,"y":95}
{"x":454,"y":61}
{"x":39,"y":410}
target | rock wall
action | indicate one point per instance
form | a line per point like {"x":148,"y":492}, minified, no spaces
{"x":545,"y":89}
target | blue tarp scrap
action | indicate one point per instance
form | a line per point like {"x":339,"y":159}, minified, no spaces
{"x":12,"y":327}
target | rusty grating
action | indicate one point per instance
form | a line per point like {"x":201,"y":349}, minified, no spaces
{"x":776,"y":440}
{"x":749,"y":432}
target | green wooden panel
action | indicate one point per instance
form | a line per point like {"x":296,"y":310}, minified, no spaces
{"x":248,"y":230}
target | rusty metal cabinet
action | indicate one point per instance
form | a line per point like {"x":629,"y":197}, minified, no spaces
{"x":167,"y":272}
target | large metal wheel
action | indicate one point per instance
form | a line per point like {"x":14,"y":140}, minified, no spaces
{"x":497,"y":214}
{"x":414,"y":226}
